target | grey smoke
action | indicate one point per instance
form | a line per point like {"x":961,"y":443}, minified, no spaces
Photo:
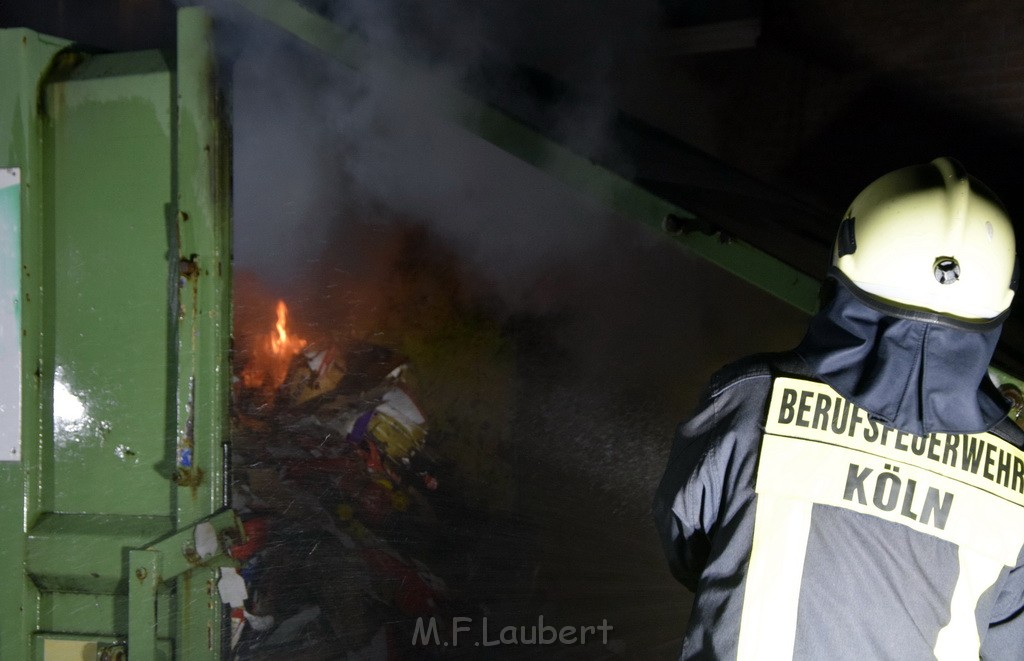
{"x":318,"y":147}
{"x":314,"y":140}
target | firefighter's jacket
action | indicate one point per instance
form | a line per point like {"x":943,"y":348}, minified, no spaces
{"x":859,"y":498}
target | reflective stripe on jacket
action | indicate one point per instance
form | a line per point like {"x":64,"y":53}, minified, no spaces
{"x":809,"y":531}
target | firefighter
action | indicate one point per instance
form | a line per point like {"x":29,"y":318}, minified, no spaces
{"x":862,"y":496}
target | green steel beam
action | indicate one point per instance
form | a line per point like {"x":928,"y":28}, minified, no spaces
{"x":614,"y":192}
{"x":314,"y":29}
{"x":202,"y":223}
{"x":181,"y":555}
{"x":143,"y":585}
{"x":100,"y":542}
{"x":202,"y":229}
{"x":632,"y":201}
{"x":27,"y":57}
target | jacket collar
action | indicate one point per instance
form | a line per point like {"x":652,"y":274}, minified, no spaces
{"x":912,"y":374}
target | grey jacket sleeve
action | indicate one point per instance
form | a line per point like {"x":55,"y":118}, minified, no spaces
{"x":686,"y":501}
{"x":1005,"y":637}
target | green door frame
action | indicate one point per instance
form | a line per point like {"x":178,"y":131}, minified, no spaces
{"x":125,"y":316}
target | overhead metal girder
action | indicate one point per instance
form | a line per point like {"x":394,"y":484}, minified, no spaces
{"x":611,"y":190}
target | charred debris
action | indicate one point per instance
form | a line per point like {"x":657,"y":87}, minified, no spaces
{"x":371,"y":461}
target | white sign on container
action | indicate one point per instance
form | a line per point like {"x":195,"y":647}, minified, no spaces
{"x":10,"y":314}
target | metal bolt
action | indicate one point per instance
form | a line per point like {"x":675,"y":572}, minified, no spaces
{"x":141,"y":573}
{"x":947,"y":270}
{"x":115,"y":652}
{"x":672,"y":224}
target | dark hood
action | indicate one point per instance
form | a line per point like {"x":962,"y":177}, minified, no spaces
{"x":920,"y":376}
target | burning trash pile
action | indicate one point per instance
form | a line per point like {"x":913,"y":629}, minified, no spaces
{"x":336,"y":475}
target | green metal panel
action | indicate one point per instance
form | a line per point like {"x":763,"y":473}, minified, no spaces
{"x":125,"y":277}
{"x":107,"y":141}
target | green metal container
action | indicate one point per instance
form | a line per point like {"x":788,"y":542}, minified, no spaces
{"x":114,"y":329}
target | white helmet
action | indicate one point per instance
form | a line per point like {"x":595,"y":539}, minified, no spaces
{"x":930,"y":238}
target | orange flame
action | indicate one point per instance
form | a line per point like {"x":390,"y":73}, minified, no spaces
{"x":272,"y":357}
{"x":280,"y":343}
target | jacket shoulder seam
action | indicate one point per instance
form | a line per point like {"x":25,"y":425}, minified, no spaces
{"x":748,"y":369}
